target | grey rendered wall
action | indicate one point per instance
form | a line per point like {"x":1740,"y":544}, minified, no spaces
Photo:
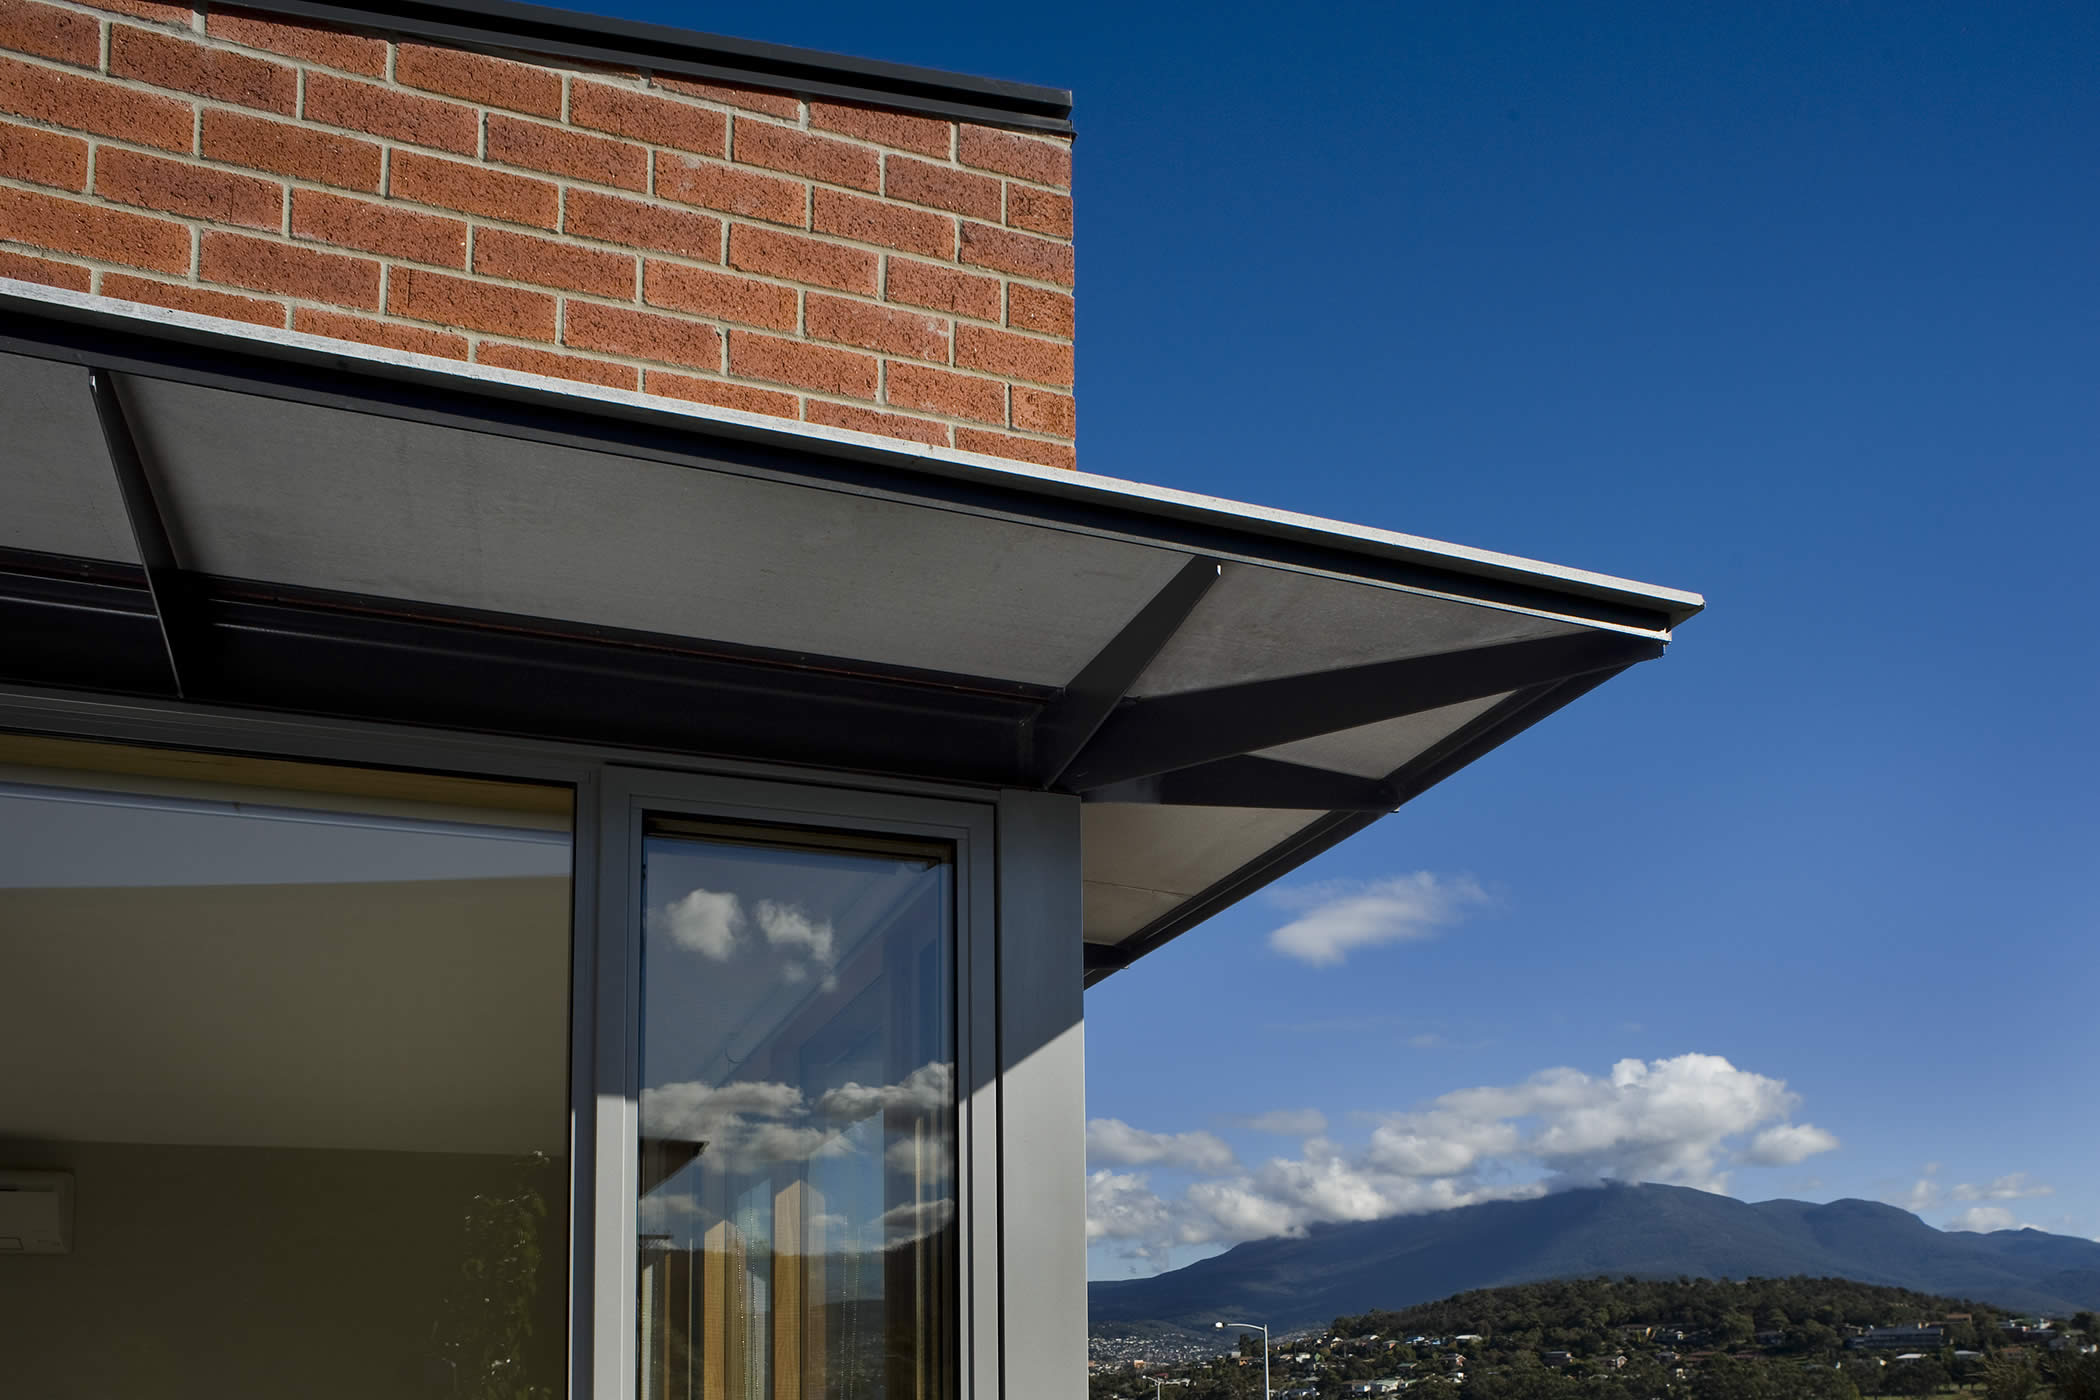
{"x":1042,"y":1057}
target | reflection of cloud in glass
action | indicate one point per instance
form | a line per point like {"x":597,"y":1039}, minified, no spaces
{"x":906,"y":1223}
{"x":927,"y":1089}
{"x":927,"y":1156}
{"x":787,"y":926}
{"x":703,"y":922}
{"x":750,"y":1124}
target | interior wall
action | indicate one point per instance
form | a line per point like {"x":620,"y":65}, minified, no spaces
{"x":211,"y":1273}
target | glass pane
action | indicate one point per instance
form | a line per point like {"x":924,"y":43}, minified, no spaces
{"x":798,"y":1208}
{"x":294,"y":1038}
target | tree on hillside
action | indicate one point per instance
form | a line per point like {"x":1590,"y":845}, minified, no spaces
{"x":2010,"y":1378}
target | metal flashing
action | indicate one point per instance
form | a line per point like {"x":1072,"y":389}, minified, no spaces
{"x":598,"y":39}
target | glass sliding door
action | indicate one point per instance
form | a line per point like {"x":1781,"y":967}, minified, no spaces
{"x":796,"y":1163}
{"x":295,"y":1039}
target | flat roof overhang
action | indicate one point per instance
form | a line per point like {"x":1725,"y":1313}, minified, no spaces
{"x":254,"y":518}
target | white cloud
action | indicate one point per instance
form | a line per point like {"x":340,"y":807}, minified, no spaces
{"x":1785,"y":1144}
{"x":1289,"y":1122}
{"x":1984,"y":1219}
{"x":1685,"y":1120}
{"x":704,"y":922}
{"x":1112,"y":1142}
{"x":2013,"y":1187}
{"x":1340,"y":917}
{"x":746,"y":1125}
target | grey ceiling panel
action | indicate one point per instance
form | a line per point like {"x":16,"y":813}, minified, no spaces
{"x":1376,"y":750}
{"x":1259,"y":624}
{"x":57,"y":492}
{"x":1112,"y":913}
{"x":289,"y":493}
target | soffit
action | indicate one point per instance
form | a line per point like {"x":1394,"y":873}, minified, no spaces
{"x":1230,"y":689}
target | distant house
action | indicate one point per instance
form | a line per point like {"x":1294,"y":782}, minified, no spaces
{"x":1898,"y":1339}
{"x":1555,"y":1358}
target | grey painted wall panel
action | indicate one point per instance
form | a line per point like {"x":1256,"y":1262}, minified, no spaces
{"x":1043,"y":1097}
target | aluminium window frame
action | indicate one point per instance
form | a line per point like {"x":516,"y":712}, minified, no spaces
{"x":612,"y":788}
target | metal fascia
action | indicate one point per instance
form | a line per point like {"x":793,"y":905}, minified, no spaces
{"x":541,"y":29}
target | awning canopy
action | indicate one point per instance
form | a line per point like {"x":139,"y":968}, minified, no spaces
{"x":263,"y":519}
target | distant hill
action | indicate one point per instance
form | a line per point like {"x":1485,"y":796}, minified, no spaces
{"x":1646,"y":1231}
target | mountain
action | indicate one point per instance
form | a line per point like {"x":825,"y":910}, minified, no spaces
{"x":1648,"y":1231}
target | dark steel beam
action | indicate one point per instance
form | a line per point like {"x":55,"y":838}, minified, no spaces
{"x":1182,"y":731}
{"x":1093,"y":695}
{"x":1254,"y":782}
{"x":165,"y":581}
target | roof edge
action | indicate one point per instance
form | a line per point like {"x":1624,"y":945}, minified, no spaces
{"x":569,"y":34}
{"x":1669,"y":606}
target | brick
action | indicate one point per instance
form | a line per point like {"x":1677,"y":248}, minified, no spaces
{"x":559,"y":151}
{"x":872,"y":327}
{"x":1033,"y":158}
{"x":353,"y":53}
{"x":1038,"y":411}
{"x":721,"y":394}
{"x":1040,"y":210}
{"x":1013,"y":356}
{"x":527,"y":360}
{"x":417,"y":340}
{"x":800,"y":153}
{"x":1020,"y":449}
{"x":473,"y":189}
{"x":445,"y":300}
{"x":476,"y":77}
{"x":180,"y":62}
{"x":551,"y":262}
{"x":375,"y":227}
{"x":65,"y":36}
{"x":777,"y":104}
{"x":197,"y":191}
{"x":818,"y":367}
{"x":722,"y":295}
{"x":659,"y":121}
{"x":688,"y":180}
{"x":868,"y":420}
{"x":1037,"y":309}
{"x":942,"y":289}
{"x":643,"y":335}
{"x":793,"y":258}
{"x":201,"y":301}
{"x":1017,"y":254}
{"x":91,"y":231}
{"x":44,"y":272}
{"x":236,"y":260}
{"x":641,"y":224}
{"x":43,"y":158}
{"x":286,"y":149}
{"x":945,"y":392}
{"x":925,"y":135}
{"x":872,"y":221}
{"x":943,"y":187}
{"x":148,"y":10}
{"x":85,"y":104}
{"x":392,"y":113}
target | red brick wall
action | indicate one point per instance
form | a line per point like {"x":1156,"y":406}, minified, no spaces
{"x":835,"y":264}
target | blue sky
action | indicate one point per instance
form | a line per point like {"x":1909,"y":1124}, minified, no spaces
{"x":1792,"y":305}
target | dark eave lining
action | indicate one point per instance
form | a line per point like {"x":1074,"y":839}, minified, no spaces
{"x":568,"y":34}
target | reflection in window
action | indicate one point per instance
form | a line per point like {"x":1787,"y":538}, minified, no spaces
{"x":299,"y":1034}
{"x":797,"y":1156}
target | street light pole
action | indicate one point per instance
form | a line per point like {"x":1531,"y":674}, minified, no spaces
{"x":1263,"y":1329}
